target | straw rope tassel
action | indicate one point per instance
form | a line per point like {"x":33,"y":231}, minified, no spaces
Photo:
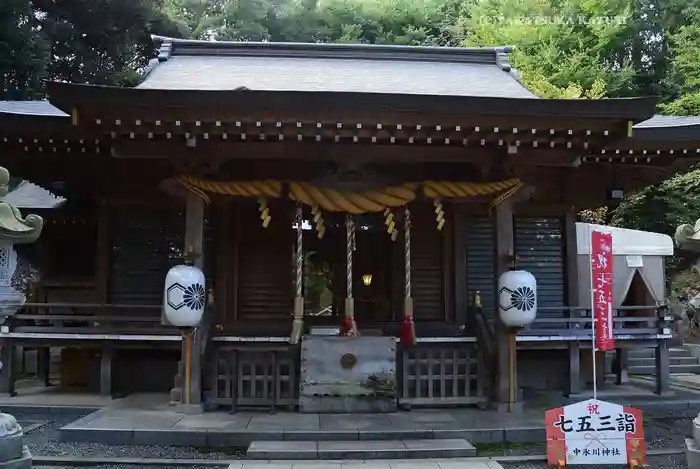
{"x":408,"y":330}
{"x":349,"y":325}
{"x":298,"y":323}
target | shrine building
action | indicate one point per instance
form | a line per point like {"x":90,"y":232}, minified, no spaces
{"x":291,"y":174}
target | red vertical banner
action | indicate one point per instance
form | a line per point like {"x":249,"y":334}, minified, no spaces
{"x":634,"y":434}
{"x":602,"y":279}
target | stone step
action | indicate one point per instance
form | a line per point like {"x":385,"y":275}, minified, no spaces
{"x":673,"y":360}
{"x":397,"y":449}
{"x":649,"y":353}
{"x":431,"y":463}
{"x":393,"y":434}
{"x":651,"y":370}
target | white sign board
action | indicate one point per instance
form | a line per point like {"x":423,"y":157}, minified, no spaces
{"x":595,"y":432}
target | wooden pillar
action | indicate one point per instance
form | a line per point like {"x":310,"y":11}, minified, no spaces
{"x":104,"y":250}
{"x":448,"y":266}
{"x":572,"y":296}
{"x":7,"y":374}
{"x":505,"y":248}
{"x":663,"y":367}
{"x":459,"y":226}
{"x":194,"y":240}
{"x":620,"y":365}
{"x":44,"y":365}
{"x":106,"y":360}
{"x":224,"y":246}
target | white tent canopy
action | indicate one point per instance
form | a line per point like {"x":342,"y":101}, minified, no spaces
{"x":634,"y":252}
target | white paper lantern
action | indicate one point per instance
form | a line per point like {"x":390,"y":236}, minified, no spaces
{"x":184,"y":296}
{"x":517,"y":298}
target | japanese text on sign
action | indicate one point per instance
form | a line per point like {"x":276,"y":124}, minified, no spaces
{"x":603,"y":423}
{"x":595,"y":432}
{"x":602,"y":276}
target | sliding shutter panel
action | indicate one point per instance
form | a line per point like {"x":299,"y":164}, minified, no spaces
{"x":146,"y":243}
{"x":265,"y":264}
{"x":481,"y":263}
{"x":539,"y":245}
{"x":427,"y":276}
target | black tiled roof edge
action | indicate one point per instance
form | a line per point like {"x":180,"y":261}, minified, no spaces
{"x":668,"y":128}
{"x":497,"y":56}
{"x":164,"y":52}
{"x":39,"y":108}
{"x":481,"y":55}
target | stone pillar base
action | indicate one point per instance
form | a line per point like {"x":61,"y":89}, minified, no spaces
{"x":190,"y":409}
{"x":502,"y":407}
{"x":692,"y":454}
{"x":22,"y":462}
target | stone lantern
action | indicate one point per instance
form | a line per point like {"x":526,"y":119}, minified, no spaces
{"x":15,"y":229}
{"x":687,"y":238}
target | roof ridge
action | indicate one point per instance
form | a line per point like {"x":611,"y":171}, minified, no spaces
{"x":489,"y":55}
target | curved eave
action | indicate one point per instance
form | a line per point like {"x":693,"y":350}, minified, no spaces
{"x":67,"y":96}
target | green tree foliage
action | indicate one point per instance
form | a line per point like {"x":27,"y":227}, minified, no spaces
{"x":662,"y":208}
{"x":686,"y":105}
{"x":562,"y":48}
{"x":23,"y":53}
{"x":344,"y":21}
{"x":684,"y":74}
{"x":82,"y":41}
{"x":99,"y":41}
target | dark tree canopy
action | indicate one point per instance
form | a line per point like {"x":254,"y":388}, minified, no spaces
{"x":23,"y":52}
{"x":82,"y":41}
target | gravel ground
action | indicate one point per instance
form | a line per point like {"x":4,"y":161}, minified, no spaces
{"x":45,"y":441}
{"x":123,"y":466}
{"x":662,"y":430}
{"x":657,"y":462}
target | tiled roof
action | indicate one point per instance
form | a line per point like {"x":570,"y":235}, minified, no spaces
{"x":669,"y":121}
{"x":31,"y":108}
{"x":351,"y":68}
{"x":669,"y":128}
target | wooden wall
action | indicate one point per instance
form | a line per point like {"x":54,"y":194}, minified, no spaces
{"x":139,"y":230}
{"x":258,"y":278}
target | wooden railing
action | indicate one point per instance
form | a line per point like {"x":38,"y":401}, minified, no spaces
{"x":575,"y":323}
{"x":44,"y":325}
{"x":255,"y":375}
{"x":90,"y":319}
{"x":486,"y":339}
{"x":434,"y":374}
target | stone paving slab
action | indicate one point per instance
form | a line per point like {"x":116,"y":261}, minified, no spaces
{"x":153,"y":424}
{"x":34,"y":395}
{"x":434,"y":463}
{"x":330,"y":450}
{"x":148,"y":419}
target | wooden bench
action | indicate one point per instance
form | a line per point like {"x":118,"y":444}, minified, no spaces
{"x":38,"y":326}
{"x":575,"y":324}
{"x":646,"y":326}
